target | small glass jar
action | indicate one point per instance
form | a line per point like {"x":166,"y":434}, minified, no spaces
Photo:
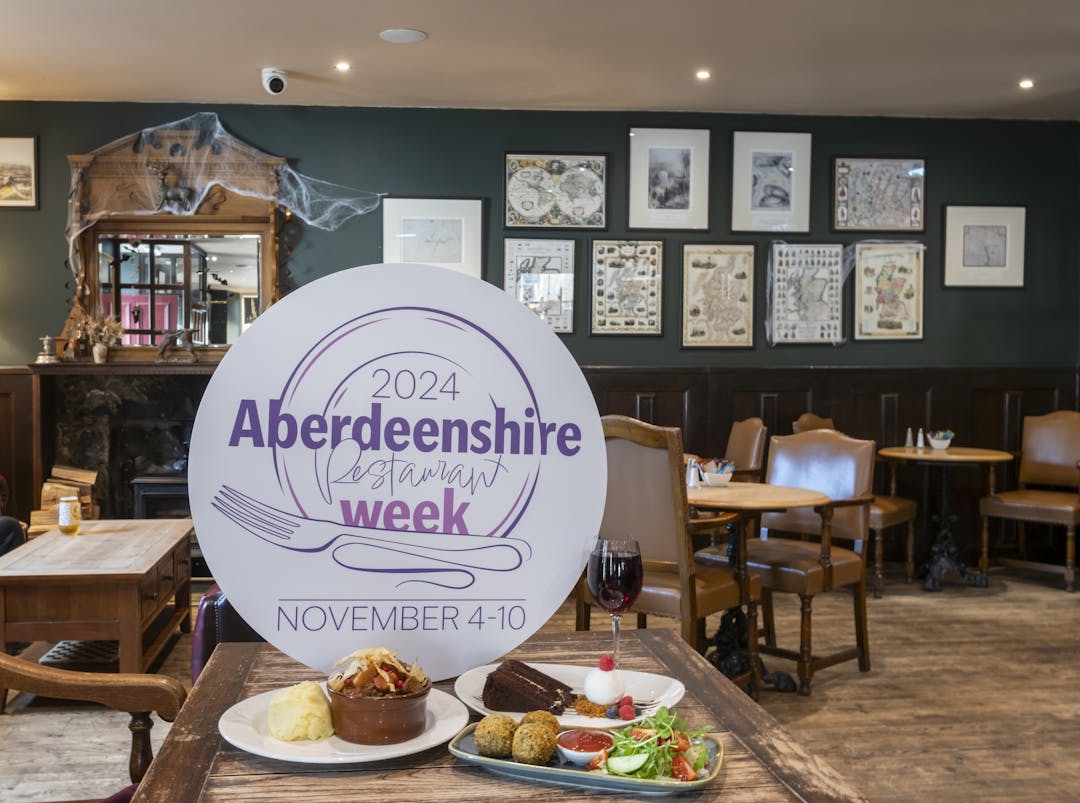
{"x":69,"y":515}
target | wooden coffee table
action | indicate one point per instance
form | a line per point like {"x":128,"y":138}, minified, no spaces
{"x":112,"y":581}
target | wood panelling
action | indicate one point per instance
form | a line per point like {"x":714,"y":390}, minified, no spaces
{"x":16,"y":442}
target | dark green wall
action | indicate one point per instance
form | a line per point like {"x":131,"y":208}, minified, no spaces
{"x":430,"y":152}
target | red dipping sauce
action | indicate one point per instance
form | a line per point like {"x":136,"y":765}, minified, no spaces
{"x":585,"y":741}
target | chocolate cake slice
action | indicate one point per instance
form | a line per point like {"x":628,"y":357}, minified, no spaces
{"x":514,"y":686}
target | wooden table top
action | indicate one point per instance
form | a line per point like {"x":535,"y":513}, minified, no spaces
{"x":753,"y":496}
{"x":103,"y":548}
{"x":763,"y":762}
{"x":954,"y":454}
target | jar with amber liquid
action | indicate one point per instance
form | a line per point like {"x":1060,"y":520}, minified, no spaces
{"x":69,"y":515}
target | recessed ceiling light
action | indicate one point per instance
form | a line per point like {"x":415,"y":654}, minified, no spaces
{"x":1027,"y":83}
{"x":402,"y":36}
{"x":703,"y":75}
{"x":342,"y":66}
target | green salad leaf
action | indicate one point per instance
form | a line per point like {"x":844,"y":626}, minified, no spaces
{"x":660,"y":738}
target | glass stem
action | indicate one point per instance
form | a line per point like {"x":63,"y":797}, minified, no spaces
{"x":615,"y":620}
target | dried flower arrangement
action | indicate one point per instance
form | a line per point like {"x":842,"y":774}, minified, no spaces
{"x":97,"y":328}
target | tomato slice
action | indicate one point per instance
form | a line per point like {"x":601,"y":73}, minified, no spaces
{"x":641,"y":733}
{"x":681,"y":743}
{"x":599,"y":762}
{"x":681,"y":769}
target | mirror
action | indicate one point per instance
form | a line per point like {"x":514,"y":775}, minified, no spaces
{"x":156,"y":284}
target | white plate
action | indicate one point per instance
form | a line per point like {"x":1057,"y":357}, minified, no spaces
{"x":247,"y":725}
{"x":642,"y":686}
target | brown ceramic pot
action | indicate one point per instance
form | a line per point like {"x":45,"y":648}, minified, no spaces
{"x":379,"y":720}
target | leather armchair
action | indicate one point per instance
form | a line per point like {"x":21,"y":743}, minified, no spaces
{"x":215,"y":622}
{"x":746,"y":449}
{"x":809,"y":421}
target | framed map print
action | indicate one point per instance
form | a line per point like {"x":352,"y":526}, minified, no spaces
{"x":770,"y":181}
{"x":806,"y":293}
{"x":540,"y":274}
{"x":984,"y":246}
{"x":447,"y":232}
{"x":718,"y":295}
{"x":18,"y":172}
{"x":888,"y":291}
{"x":878,"y":194}
{"x":669,"y":178}
{"x":627,"y":287}
{"x":556,"y":191}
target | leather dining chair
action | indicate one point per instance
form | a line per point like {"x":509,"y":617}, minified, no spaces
{"x":885,"y":512}
{"x":842,"y":468}
{"x":1049,"y":482}
{"x":746,"y":449}
{"x":646,"y":501}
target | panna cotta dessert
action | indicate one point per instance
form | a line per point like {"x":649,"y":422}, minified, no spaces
{"x":604,"y":685}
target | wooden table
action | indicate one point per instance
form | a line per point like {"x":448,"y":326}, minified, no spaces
{"x":944,"y":556}
{"x":763,"y":762}
{"x":112,"y":581}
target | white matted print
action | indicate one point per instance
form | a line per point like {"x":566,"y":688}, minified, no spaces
{"x":627,"y":287}
{"x":540,"y":274}
{"x":888,"y":291}
{"x":18,"y":172}
{"x":770,"y":181}
{"x":718,"y":295}
{"x":420,"y":466}
{"x":878,"y":194}
{"x":984,"y":246}
{"x":563,"y":191}
{"x":806,"y":293}
{"x":446,"y":232}
{"x":669,"y":178}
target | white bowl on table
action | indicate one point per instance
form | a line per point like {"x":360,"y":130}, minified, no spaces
{"x":718,"y":480}
{"x":939,"y":443}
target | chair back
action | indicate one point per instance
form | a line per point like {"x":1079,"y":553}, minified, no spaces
{"x":831,"y":463}
{"x":746,"y":444}
{"x":1050,"y":449}
{"x":646,"y":491}
{"x":809,"y":421}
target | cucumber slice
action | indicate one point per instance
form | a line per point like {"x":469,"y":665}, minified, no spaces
{"x":624,"y":765}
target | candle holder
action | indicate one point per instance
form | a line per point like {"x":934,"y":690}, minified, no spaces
{"x":48,"y":351}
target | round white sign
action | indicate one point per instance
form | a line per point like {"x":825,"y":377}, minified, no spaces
{"x":399,"y":456}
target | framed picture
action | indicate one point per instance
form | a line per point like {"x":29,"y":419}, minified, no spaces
{"x":18,"y":172}
{"x":888,"y":291}
{"x":770,"y":181}
{"x":878,"y":194}
{"x":669,"y":178}
{"x":718,"y":295}
{"x":984,"y":246}
{"x":627,"y":287}
{"x":806,"y":293}
{"x":540,"y":274}
{"x":546,"y":191}
{"x":447,"y":232}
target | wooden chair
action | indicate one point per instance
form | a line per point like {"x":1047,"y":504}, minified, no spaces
{"x":137,"y":694}
{"x":646,"y":501}
{"x":1049,"y":455}
{"x":885,"y":512}
{"x":842,"y":468}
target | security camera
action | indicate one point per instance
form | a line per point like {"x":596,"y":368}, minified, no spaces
{"x":274,"y":80}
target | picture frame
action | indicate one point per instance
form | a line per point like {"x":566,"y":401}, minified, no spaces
{"x":540,"y":274}
{"x":564,"y":191}
{"x":447,"y":232}
{"x":718,"y":295}
{"x":878,"y":194}
{"x":627,"y":287}
{"x":805,"y":301}
{"x":669,"y":178}
{"x":984,"y":246}
{"x":889,"y":291}
{"x":770,"y":181}
{"x":19,"y":173}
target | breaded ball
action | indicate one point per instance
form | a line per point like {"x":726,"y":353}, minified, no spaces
{"x":544,"y":718}
{"x":534,"y":743}
{"x":494,"y":736}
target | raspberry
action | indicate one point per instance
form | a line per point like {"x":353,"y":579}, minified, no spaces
{"x":627,"y":712}
{"x":627,"y":700}
{"x":607,"y":663}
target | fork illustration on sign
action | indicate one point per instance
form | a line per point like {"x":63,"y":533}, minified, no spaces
{"x":447,"y":561}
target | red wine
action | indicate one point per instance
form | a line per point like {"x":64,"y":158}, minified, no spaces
{"x":614,"y":579}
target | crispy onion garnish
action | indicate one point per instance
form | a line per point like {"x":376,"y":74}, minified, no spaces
{"x":371,"y":661}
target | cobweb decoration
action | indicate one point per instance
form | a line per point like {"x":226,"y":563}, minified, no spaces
{"x":183,"y":160}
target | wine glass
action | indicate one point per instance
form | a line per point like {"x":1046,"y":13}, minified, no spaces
{"x":614,"y":576}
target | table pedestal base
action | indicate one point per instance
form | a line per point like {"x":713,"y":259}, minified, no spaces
{"x":732,"y":657}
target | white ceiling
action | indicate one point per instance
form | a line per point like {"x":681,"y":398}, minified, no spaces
{"x":938,"y":58}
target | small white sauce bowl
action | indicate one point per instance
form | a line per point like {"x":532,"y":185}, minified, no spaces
{"x":579,"y":757}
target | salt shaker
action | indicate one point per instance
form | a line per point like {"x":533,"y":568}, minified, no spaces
{"x":921,"y":442}
{"x":908,"y":441}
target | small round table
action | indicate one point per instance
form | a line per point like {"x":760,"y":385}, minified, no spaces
{"x":943,"y":555}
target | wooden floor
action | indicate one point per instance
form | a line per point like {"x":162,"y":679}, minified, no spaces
{"x":973,"y":696}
